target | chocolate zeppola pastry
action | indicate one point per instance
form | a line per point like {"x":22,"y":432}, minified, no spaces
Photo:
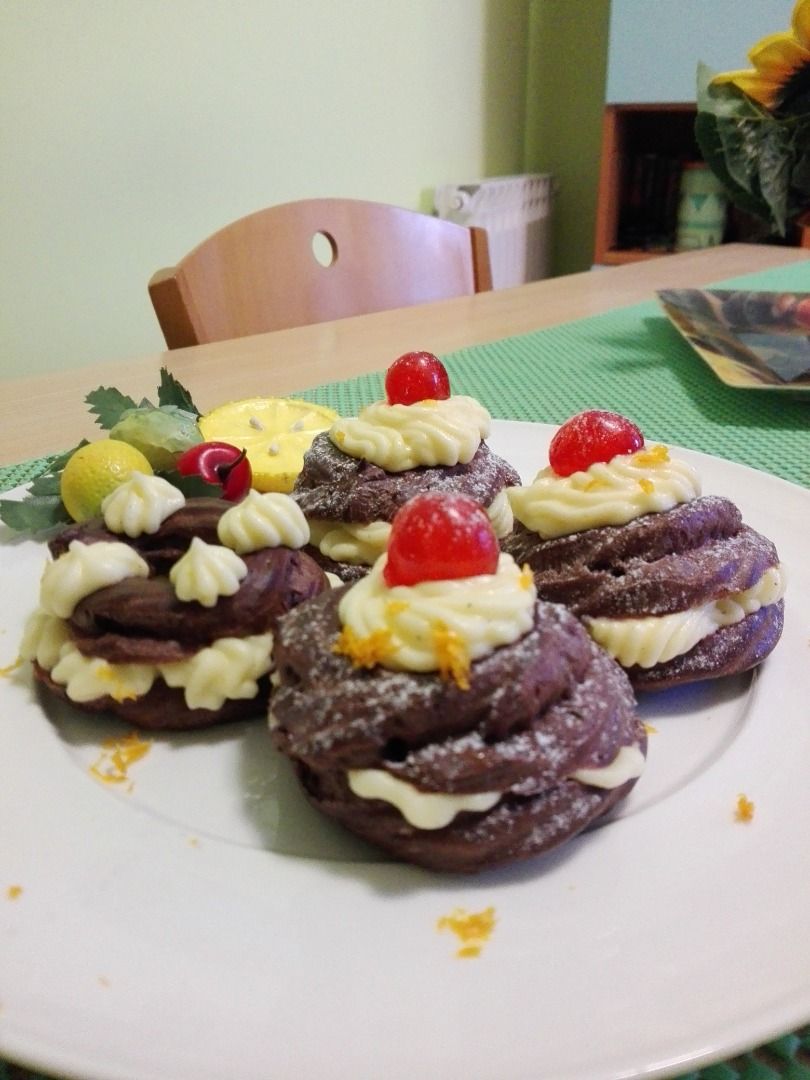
{"x":439,"y":710}
{"x":163,"y":611}
{"x":671,"y":583}
{"x":421,"y":438}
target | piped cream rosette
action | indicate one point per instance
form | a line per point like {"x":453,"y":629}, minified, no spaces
{"x":400,"y":437}
{"x":608,"y":493}
{"x":230,"y":667}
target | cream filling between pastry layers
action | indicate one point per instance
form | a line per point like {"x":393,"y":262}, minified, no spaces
{"x":400,"y":437}
{"x":608,"y":493}
{"x":656,"y":639}
{"x":417,"y":623}
{"x":226,"y":670}
{"x":362,"y":545}
{"x":434,"y":810}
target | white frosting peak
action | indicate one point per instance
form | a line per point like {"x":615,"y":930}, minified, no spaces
{"x":263,"y":520}
{"x":206,"y":572}
{"x":141,"y":504}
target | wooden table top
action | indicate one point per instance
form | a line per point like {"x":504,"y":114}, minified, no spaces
{"x":46,"y":413}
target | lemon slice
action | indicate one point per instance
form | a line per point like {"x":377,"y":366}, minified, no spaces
{"x":275,"y":433}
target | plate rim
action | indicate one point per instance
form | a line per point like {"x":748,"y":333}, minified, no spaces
{"x":511,"y":885}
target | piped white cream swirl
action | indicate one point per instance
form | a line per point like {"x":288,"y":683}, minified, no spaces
{"x":608,"y":493}
{"x":205,"y":572}
{"x":358,"y":545}
{"x":480,"y":613}
{"x":141,"y":504}
{"x":263,"y":520}
{"x":83,"y":569}
{"x":399,"y":437}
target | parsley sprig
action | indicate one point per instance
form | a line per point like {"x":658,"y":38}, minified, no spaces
{"x":41,"y":508}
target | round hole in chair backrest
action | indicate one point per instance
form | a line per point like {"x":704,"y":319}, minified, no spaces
{"x":324,"y":248}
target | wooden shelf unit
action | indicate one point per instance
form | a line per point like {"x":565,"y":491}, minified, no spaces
{"x":662,"y":132}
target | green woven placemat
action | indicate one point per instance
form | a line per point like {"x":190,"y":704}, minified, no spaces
{"x":633,"y":361}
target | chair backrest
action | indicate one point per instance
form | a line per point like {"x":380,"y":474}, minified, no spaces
{"x":261,"y":272}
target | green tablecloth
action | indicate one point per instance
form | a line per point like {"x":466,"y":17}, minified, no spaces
{"x":632,"y":361}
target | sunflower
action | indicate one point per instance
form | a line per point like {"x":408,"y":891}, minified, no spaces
{"x":780,"y":78}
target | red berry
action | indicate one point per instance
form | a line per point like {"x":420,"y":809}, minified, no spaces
{"x":218,"y":463}
{"x":416,"y":376}
{"x":589,"y":437}
{"x":801,"y":314}
{"x":439,"y":536}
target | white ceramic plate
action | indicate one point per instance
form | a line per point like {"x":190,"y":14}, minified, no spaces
{"x":206,"y":924}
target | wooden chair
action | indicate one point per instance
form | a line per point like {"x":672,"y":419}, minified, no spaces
{"x":261,"y":272}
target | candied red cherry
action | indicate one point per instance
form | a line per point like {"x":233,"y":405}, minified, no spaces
{"x":440,"y":536}
{"x":416,"y":376}
{"x":218,"y":463}
{"x":589,"y":437}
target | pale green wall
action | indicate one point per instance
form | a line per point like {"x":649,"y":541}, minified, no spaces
{"x":134,"y":128}
{"x":566,"y":98}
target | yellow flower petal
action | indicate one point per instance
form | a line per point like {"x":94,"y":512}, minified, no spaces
{"x":776,"y":56}
{"x":764,"y":91}
{"x":800,"y":22}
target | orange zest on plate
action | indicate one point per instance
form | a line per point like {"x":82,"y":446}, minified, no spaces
{"x":472,"y":928}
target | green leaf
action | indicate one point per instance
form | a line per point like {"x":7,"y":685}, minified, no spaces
{"x":713,"y":153}
{"x":107,"y":404}
{"x":47,"y":484}
{"x":33,"y":514}
{"x":172,"y":392}
{"x":774,"y":172}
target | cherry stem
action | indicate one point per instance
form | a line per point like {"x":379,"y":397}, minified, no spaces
{"x":224,"y":470}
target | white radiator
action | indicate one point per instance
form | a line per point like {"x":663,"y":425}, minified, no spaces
{"x":516,"y":212}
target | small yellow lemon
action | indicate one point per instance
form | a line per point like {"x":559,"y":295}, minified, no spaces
{"x":94,"y":471}
{"x":274,"y":432}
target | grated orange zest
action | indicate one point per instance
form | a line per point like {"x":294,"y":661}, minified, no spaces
{"x":472,"y":928}
{"x":452,"y":654}
{"x":14,"y":892}
{"x":647,"y":486}
{"x":364,"y":652}
{"x":116,"y":756}
{"x":654,"y":455}
{"x":12,"y":667}
{"x":744,"y":810}
{"x":119,"y":691}
{"x":526,"y":579}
